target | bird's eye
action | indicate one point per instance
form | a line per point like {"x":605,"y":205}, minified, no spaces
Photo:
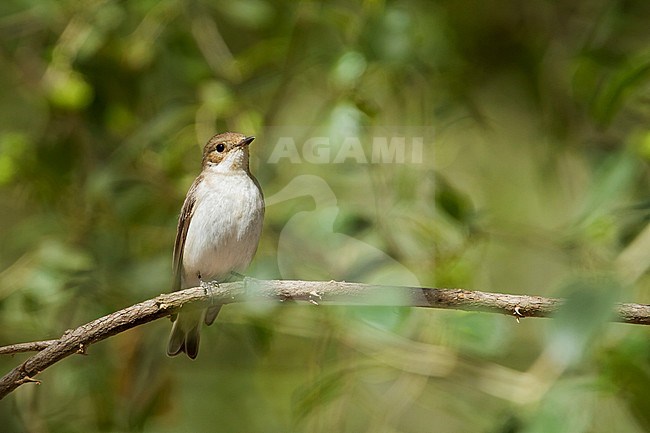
{"x":221,"y":147}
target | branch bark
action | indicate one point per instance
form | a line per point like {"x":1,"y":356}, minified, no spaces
{"x":316,"y":292}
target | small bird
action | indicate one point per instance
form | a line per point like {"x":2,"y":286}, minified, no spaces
{"x":218,"y":231}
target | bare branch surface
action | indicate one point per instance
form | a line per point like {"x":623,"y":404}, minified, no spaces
{"x":32,"y":346}
{"x":315,"y":292}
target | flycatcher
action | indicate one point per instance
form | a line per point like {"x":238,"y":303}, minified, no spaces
{"x":218,"y":231}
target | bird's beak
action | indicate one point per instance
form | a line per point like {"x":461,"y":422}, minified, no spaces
{"x":246,"y":141}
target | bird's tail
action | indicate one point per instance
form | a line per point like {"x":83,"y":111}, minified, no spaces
{"x":186,"y":334}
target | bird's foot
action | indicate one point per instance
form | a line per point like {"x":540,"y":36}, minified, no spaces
{"x":209,"y":287}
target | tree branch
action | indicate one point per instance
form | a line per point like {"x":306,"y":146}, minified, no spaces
{"x":32,"y":346}
{"x":315,"y":292}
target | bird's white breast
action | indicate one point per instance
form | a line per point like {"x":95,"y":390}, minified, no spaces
{"x":225,"y":227}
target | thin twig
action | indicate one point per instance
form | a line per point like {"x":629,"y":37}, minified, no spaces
{"x":314,"y":292}
{"x":33,"y":346}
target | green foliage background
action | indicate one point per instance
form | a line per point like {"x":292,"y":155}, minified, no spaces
{"x":535,"y":179}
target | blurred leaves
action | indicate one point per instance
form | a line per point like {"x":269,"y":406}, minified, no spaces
{"x":620,"y":85}
{"x":629,"y":374}
{"x":68,"y":89}
{"x":13,"y":146}
{"x":532,"y":178}
{"x":581,"y":318}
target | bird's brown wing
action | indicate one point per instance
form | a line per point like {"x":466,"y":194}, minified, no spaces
{"x":181,"y":234}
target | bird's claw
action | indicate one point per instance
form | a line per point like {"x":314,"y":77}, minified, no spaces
{"x":208,"y":287}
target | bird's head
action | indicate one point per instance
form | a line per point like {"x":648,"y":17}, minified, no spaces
{"x":227,"y":152}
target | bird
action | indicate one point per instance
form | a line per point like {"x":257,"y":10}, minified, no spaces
{"x":218,"y":232}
